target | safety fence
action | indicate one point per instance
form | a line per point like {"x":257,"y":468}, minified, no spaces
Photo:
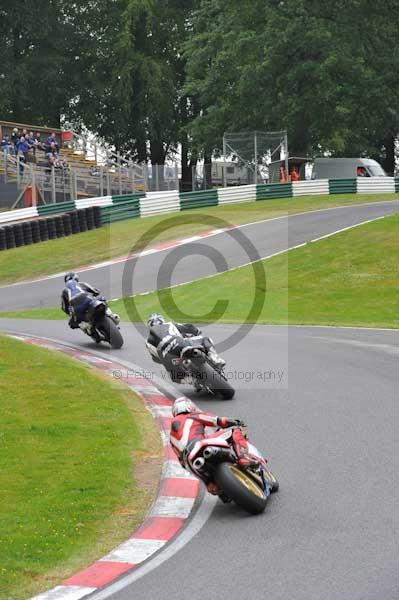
{"x":110,"y":209}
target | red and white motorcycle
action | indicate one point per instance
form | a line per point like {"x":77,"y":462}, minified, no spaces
{"x":214,"y":459}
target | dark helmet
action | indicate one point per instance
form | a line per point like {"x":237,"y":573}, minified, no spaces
{"x":155,"y":319}
{"x":71,"y":275}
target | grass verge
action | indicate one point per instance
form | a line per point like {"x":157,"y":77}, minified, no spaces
{"x":351,"y":278}
{"x":118,"y":239}
{"x":72,"y":446}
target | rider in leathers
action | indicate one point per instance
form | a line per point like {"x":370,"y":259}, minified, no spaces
{"x":76,"y":297}
{"x":188,"y":427}
{"x":162,"y":331}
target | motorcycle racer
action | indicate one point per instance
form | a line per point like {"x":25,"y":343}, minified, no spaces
{"x":76,"y":297}
{"x":188,"y":427}
{"x":161,"y":332}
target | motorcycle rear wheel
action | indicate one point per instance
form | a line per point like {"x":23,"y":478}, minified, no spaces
{"x":111,"y":332}
{"x":240,"y":487}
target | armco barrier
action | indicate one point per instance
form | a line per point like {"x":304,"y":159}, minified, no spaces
{"x":52,"y":209}
{"x":120,"y":212}
{"x":316,"y":187}
{"x":242,"y":193}
{"x":198,"y":199}
{"x":153,"y":203}
{"x":17,"y":215}
{"x":156,"y":203}
{"x":375,"y":185}
{"x":342,"y":186}
{"x":86,"y":202}
{"x":269,"y":191}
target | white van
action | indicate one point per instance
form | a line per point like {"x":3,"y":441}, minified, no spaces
{"x":346,"y":168}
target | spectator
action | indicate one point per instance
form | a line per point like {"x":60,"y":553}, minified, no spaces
{"x":52,"y":140}
{"x":22,"y":153}
{"x":294,"y":174}
{"x":361,"y":172}
{"x":31,"y":142}
{"x":6,"y":145}
{"x":14,"y":136}
{"x":38,"y":144}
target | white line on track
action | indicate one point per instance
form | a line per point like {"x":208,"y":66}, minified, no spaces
{"x":262,"y":258}
{"x":115,"y":261}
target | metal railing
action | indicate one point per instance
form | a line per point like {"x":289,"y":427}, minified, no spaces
{"x":51,"y":184}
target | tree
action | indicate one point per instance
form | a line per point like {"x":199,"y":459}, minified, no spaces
{"x":319,"y":70}
{"x":134,"y":96}
{"x":34,"y":84}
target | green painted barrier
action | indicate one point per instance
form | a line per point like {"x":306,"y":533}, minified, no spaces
{"x":198,"y":199}
{"x":269,"y":191}
{"x":396,"y":184}
{"x":57,"y":207}
{"x":120,"y":212}
{"x":342,"y":186}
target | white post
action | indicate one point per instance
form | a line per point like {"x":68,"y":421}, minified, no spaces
{"x":34,"y":197}
{"x":286,"y":155}
{"x":256,"y":157}
{"x":101,"y":181}
{"x":53,"y":191}
{"x":224,"y":161}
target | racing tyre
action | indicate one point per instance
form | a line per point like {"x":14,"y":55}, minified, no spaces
{"x":43,"y":230}
{"x":2,"y":239}
{"x":111,"y":332}
{"x":59,"y":226}
{"x":74,"y":221}
{"x":240,"y":487}
{"x":35,"y":231}
{"x":97,"y":216}
{"x":66,"y":220}
{"x":18,"y":235}
{"x":27,"y":233}
{"x":82,"y":220}
{"x":215,"y":382}
{"x":52,"y":233}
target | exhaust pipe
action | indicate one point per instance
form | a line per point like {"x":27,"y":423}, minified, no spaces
{"x":208,"y":452}
{"x":199,"y":463}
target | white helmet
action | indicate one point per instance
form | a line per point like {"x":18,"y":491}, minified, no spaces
{"x":184,"y":405}
{"x":155,"y":319}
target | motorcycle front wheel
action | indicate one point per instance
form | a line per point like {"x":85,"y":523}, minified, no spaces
{"x":111,"y":332}
{"x":240,"y":487}
{"x":212,"y":379}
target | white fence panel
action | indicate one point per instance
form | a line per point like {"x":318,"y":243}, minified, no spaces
{"x":17,"y":215}
{"x":156,"y":203}
{"x":315,"y":187}
{"x":87,"y":202}
{"x":373,"y":185}
{"x":242,"y":193}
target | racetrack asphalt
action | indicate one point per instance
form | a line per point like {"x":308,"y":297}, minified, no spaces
{"x":331,"y":436}
{"x":200,"y":258}
{"x":320,"y":403}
